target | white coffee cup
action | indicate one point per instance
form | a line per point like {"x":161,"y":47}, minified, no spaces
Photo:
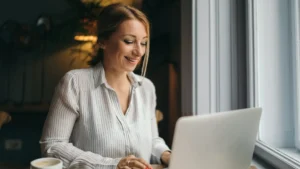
{"x":46,"y":163}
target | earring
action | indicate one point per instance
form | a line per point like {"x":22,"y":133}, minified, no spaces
{"x":101,"y":46}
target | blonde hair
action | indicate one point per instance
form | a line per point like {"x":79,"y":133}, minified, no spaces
{"x":109,"y":20}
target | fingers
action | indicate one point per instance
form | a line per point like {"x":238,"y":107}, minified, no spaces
{"x":139,"y":163}
{"x":123,"y":163}
{"x":144,"y":162}
{"x":131,"y":162}
{"x":125,"y":167}
{"x":136,"y":164}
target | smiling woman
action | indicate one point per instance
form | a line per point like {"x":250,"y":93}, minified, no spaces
{"x":104,"y":116}
{"x":126,"y":47}
{"x":134,"y":32}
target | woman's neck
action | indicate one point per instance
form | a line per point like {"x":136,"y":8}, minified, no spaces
{"x":116,"y":79}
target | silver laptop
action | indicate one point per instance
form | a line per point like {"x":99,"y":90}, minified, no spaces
{"x":222,"y":140}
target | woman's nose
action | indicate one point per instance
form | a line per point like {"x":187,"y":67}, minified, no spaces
{"x":138,"y":51}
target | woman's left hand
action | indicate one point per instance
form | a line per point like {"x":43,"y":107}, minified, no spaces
{"x":165,"y":157}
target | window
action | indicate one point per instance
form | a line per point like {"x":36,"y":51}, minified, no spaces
{"x":213,"y":54}
{"x":273,"y":60}
{"x":238,"y":54}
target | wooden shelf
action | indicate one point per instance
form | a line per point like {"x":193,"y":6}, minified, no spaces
{"x":31,"y":108}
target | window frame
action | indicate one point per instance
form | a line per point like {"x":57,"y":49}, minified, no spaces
{"x":211,"y":71}
{"x":263,"y":150}
{"x":295,"y":14}
{"x":191,"y":42}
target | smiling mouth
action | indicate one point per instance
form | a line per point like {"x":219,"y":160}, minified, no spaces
{"x":131,"y":59}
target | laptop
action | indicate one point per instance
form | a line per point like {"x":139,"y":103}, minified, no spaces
{"x":223,"y":140}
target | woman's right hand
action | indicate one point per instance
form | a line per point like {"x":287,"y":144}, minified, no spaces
{"x":131,"y":162}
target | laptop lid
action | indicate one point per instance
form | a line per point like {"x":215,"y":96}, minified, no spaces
{"x":223,"y":140}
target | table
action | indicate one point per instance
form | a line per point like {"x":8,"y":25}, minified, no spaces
{"x":160,"y":167}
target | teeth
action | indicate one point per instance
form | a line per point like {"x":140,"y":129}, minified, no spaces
{"x":131,"y":60}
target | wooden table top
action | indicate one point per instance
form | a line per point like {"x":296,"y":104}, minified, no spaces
{"x":160,"y":167}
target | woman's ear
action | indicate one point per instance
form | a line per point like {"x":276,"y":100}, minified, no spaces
{"x":101,"y":44}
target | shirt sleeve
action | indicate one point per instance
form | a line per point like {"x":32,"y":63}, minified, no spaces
{"x":158,"y":144}
{"x":55,"y":141}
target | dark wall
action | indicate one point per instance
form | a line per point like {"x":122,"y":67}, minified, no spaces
{"x":165,"y":53}
{"x":28,"y":78}
{"x":25,"y":127}
{"x":28,"y":11}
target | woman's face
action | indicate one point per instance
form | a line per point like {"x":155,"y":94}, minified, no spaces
{"x":125,"y":47}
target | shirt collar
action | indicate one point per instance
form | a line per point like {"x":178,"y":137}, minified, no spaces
{"x":100,"y":79}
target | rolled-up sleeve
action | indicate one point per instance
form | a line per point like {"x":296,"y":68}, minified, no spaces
{"x":158,"y":144}
{"x":55,"y":141}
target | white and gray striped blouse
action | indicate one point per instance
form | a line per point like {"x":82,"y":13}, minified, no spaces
{"x":86,"y":127}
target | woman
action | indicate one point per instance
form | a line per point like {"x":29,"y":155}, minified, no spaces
{"x":104,"y":116}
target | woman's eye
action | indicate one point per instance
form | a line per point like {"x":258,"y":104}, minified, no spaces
{"x":128,"y":41}
{"x":144,"y":44}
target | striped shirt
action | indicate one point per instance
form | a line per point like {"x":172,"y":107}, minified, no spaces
{"x":86,"y":127}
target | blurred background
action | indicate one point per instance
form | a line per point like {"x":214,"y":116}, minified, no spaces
{"x":41,"y":40}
